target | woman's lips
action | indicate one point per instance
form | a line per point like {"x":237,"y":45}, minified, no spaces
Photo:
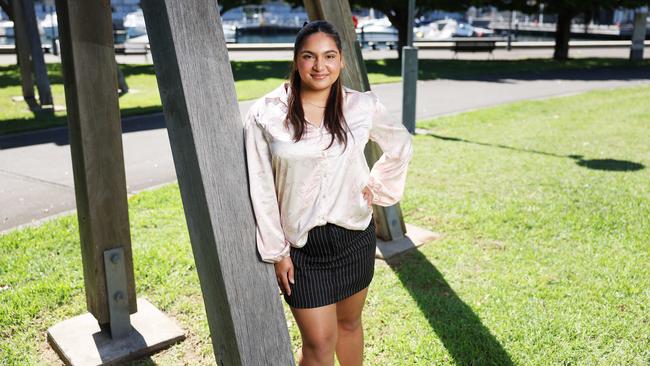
{"x":319,"y":76}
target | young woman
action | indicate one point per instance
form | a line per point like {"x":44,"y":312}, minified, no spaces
{"x":312,"y":192}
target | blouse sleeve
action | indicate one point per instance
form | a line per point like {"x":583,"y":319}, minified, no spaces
{"x":271,"y":243}
{"x":388,"y":175}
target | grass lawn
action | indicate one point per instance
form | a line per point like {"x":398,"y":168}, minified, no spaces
{"x":255,"y":78}
{"x":543,"y":207}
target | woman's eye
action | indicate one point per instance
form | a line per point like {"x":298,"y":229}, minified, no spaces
{"x":306,"y":57}
{"x":331,"y":57}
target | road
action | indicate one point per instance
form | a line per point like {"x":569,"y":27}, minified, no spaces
{"x":36,"y":179}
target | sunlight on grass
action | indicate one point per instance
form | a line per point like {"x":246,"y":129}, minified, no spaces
{"x":544,"y":256}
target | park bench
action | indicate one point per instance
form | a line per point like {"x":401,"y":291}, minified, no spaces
{"x":474,"y":45}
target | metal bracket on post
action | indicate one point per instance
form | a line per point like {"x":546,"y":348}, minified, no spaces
{"x":118,"y":296}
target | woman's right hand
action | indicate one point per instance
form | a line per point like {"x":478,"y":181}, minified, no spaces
{"x":284,"y":274}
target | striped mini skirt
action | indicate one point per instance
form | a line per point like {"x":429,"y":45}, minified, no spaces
{"x":334,"y":264}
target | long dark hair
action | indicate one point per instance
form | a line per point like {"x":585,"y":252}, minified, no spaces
{"x":333,"y":119}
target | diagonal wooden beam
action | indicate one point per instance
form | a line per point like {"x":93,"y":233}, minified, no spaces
{"x":240,"y":294}
{"x":7,"y":8}
{"x":388,"y":220}
{"x":36,"y":49}
{"x":23,"y":56}
{"x":89,"y":75}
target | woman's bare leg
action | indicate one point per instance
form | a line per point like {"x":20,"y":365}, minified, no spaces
{"x":318,"y":327}
{"x":349,"y":344}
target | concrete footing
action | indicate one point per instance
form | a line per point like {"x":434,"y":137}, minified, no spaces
{"x":80,"y":341}
{"x":415,"y":237}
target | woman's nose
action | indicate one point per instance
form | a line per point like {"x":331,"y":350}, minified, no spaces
{"x":318,"y":64}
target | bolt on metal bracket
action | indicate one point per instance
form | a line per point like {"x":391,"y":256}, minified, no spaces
{"x":118,"y":297}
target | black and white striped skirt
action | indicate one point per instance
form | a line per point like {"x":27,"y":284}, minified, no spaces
{"x":334,"y":264}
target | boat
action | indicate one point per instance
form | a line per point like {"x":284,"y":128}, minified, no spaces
{"x":140,"y":44}
{"x":134,"y":24}
{"x":6,"y":28}
{"x":274,"y":18}
{"x":448,"y":29}
{"x":49,"y":26}
{"x":376,"y":32}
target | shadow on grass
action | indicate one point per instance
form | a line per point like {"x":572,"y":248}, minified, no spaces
{"x":612,"y":165}
{"x":588,"y":69}
{"x":461,"y":331}
{"x":147,"y":121}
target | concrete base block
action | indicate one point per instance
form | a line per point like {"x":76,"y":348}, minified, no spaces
{"x":80,"y":341}
{"x":415,"y":237}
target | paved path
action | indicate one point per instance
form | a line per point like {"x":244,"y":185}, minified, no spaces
{"x":36,"y":173}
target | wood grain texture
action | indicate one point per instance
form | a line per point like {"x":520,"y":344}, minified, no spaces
{"x":88,"y":62}
{"x":355,"y":76}
{"x":240,"y":294}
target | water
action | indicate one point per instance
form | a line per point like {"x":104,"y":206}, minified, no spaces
{"x":264,"y":38}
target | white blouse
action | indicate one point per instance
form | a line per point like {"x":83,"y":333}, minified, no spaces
{"x":296,"y":186}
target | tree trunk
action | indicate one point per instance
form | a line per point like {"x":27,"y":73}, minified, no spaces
{"x":399,"y":21}
{"x":562,"y":35}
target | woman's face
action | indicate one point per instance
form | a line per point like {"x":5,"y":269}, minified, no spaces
{"x":319,"y":62}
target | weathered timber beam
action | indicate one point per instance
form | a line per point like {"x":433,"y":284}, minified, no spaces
{"x":196,"y":85}
{"x":36,"y":49}
{"x":89,"y":75}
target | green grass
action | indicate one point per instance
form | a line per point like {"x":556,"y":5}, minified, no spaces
{"x":543,"y":260}
{"x":256,"y":78}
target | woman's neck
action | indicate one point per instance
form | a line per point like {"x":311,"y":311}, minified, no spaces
{"x":315,"y":97}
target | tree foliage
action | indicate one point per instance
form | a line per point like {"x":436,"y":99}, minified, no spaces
{"x":566,"y":10}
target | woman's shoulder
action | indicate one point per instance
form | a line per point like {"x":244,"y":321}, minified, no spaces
{"x":355,"y":97}
{"x":267,"y":108}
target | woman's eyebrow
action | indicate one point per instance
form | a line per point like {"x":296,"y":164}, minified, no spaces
{"x":313,"y":53}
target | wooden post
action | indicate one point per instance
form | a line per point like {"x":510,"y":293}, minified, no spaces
{"x":638,"y":34}
{"x":88,"y":61}
{"x":36,"y":49}
{"x":23,"y":54}
{"x":240,"y":293}
{"x":388,"y":220}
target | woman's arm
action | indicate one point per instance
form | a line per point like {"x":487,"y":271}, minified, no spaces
{"x":271,"y":243}
{"x":388,"y":175}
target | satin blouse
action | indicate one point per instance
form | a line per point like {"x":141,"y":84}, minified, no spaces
{"x":295,"y":186}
